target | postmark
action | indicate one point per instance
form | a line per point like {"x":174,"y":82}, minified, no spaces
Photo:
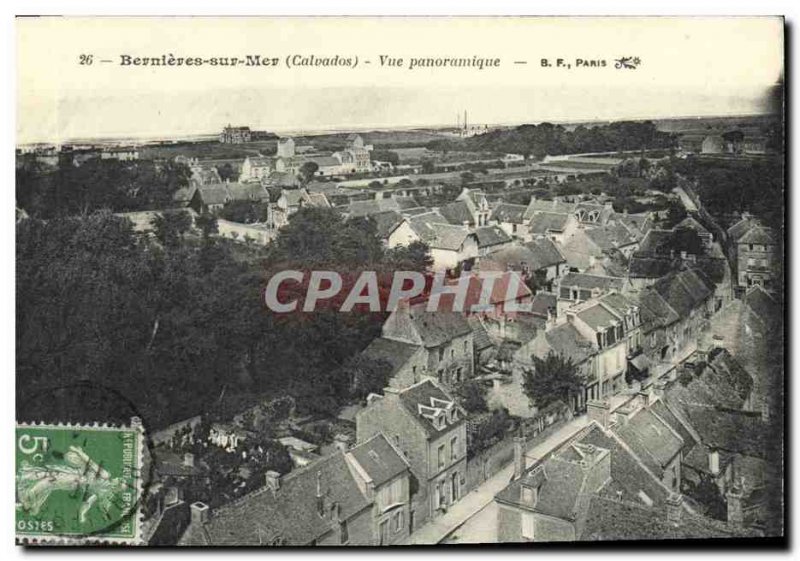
{"x":78,"y":484}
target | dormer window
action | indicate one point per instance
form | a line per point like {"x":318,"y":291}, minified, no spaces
{"x":530,"y":495}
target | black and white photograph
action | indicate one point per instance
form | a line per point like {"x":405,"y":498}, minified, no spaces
{"x":399,"y":281}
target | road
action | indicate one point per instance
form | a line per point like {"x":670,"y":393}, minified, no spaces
{"x":479,"y":501}
{"x":686,"y":199}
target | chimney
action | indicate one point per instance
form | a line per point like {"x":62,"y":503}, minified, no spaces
{"x":199,"y":513}
{"x":342,"y":442}
{"x":592,"y":260}
{"x":273,"y":481}
{"x":713,"y":461}
{"x":519,"y":456}
{"x":658,"y":388}
{"x":674,"y":507}
{"x":320,"y":502}
{"x":734,"y":499}
{"x":188,"y":459}
{"x":598,"y":411}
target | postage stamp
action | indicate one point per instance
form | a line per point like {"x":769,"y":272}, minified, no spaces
{"x":78,"y":484}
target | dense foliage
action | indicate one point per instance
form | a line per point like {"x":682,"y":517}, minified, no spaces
{"x":175,"y":321}
{"x":538,"y":141}
{"x":551,"y":379}
{"x":96,"y":184}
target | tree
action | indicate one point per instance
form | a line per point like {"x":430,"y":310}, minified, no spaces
{"x":427,"y":166}
{"x":308,"y":170}
{"x":467,"y":177}
{"x":227,"y":172}
{"x":471,"y":395}
{"x":207,"y":223}
{"x":551,"y":379}
{"x":364,"y":375}
{"x":169,"y":227}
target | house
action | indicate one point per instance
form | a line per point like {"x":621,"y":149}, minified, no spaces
{"x":756,"y":252}
{"x":594,"y":487}
{"x":204,"y":175}
{"x":256,"y":168}
{"x":511,"y":218}
{"x":351,"y":497}
{"x":469,"y":209}
{"x":574,"y":288}
{"x":562,"y":338}
{"x":120,"y":153}
{"x":429,"y":428}
{"x":451,"y":246}
{"x":491,"y":239}
{"x":537,"y":257}
{"x":605,"y":329}
{"x":713,"y":144}
{"x":235,"y":135}
{"x":211,"y":198}
{"x":445,"y":337}
{"x":556,"y":226}
{"x":692,"y":223}
{"x":408,"y":362}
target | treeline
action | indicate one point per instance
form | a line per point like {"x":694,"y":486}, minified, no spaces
{"x":97,"y":184}
{"x":176,"y":326}
{"x":538,"y":141}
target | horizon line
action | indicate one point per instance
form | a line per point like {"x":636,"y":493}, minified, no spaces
{"x":340,"y":129}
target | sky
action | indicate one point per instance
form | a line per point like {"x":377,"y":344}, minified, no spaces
{"x":689,"y":67}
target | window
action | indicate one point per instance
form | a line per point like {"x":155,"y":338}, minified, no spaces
{"x":528,"y":525}
{"x":452,"y":354}
{"x":343,"y":533}
{"x":398,"y":521}
{"x":441,"y":354}
{"x":453,"y":448}
{"x":414,"y":371}
{"x":466,"y":346}
{"x":530,"y":495}
{"x":441,"y":456}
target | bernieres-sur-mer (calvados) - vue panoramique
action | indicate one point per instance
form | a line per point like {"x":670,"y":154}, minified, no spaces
{"x":412,"y":296}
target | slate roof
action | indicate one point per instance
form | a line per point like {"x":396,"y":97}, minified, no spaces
{"x":247,"y":192}
{"x":545,"y":222}
{"x":610,"y":519}
{"x":480,"y":337}
{"x":733,"y":431}
{"x":651,"y":439}
{"x":541,"y":205}
{"x":458,"y":213}
{"x":396,"y":353}
{"x":597,"y":317}
{"x":683,"y":291}
{"x":379,"y":459}
{"x":507,"y":212}
{"x":421,"y":394}
{"x":213,"y":194}
{"x":643,"y":267}
{"x":292,"y":512}
{"x":610,"y":236}
{"x":761,"y":303}
{"x":542,"y":302}
{"x":489,"y":236}
{"x":387,"y":222}
{"x":655,"y":312}
{"x":741,"y":228}
{"x":439,"y":327}
{"x":588,"y":282}
{"x":545,"y":254}
{"x":566,"y":341}
{"x":692,"y":223}
{"x":447,"y":236}
{"x":758,"y":235}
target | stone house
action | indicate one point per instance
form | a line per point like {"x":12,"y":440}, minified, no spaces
{"x":429,"y":428}
{"x":445,"y":337}
{"x":356,"y":497}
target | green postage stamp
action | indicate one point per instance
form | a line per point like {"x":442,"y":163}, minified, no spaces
{"x":78,"y":484}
